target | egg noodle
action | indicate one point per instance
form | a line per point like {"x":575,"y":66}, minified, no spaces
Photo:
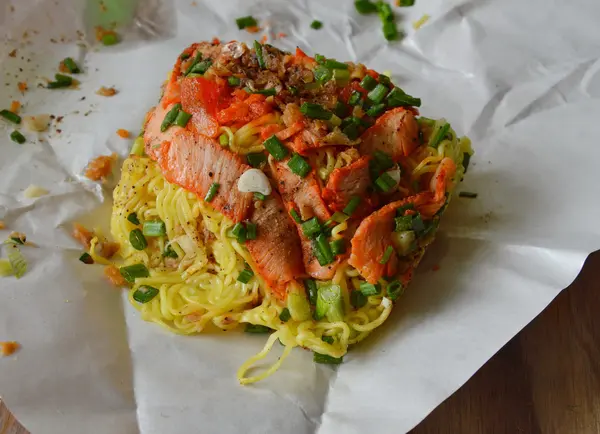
{"x":199,"y":288}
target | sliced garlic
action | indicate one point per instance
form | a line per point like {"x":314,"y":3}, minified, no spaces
{"x":254,"y":181}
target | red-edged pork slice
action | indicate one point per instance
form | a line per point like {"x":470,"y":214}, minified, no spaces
{"x":396,"y":133}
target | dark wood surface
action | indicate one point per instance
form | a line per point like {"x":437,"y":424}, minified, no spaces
{"x":545,"y":380}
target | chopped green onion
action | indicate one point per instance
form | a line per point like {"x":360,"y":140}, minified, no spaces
{"x":293,"y":90}
{"x":170,"y":252}
{"x":406,"y":3}
{"x":390,"y":31}
{"x":257,"y":328}
{"x":320,"y":59}
{"x":109,"y":39}
{"x":285,"y":315}
{"x":193,"y":63}
{"x":342,"y":110}
{"x":311,"y":227}
{"x":352,"y":131}
{"x":133,"y":218}
{"x":256,"y":159}
{"x":384,"y":79}
{"x":376,"y":110}
{"x":268,"y":92}
{"x":339,"y":217}
{"x":327,"y":360}
{"x":212,"y":192}
{"x":138,"y":147}
{"x":398,"y":98}
{"x":251,"y":229}
{"x":369,"y":289}
{"x":322,"y":74}
{"x":335,"y":121}
{"x":403,"y":223}
{"x":170,"y":117}
{"x":299,"y":165}
{"x":154,"y":228}
{"x":385,"y":11}
{"x":327,"y":339}
{"x":382,"y":160}
{"x":334,"y":64}
{"x":137,"y":239}
{"x":259,"y":55}
{"x":355,"y":98}
{"x":86,"y":258}
{"x":61,"y":78}
{"x":338,"y":247}
{"x":418,"y":225}
{"x":385,"y":182}
{"x":322,"y":250}
{"x":402,"y":209}
{"x":439,"y":132}
{"x":365,"y":6}
{"x":394,"y":289}
{"x":368,"y":83}
{"x":467,"y":194}
{"x":185,"y":56}
{"x":17,"y":261}
{"x":315,"y":111}
{"x":245,"y":275}
{"x":145,"y":293}
{"x":341,"y":76}
{"x":352,"y":205}
{"x":132,"y":272}
{"x":57,"y":84}
{"x":275,"y":148}
{"x":378,"y":93}
{"x":5,"y":268}
{"x":17,"y":137}
{"x":259,"y":196}
{"x":182,"y":118}
{"x":316,"y":25}
{"x":71,"y":66}
{"x":224,"y":139}
{"x":201,"y":67}
{"x":330,"y":303}
{"x":234,"y":81}
{"x":239,"y":232}
{"x":244,"y":22}
{"x":466,"y":160}
{"x":311,"y":290}
{"x":358,"y":299}
{"x":386,"y":255}
{"x":295,"y":216}
{"x":10,"y":116}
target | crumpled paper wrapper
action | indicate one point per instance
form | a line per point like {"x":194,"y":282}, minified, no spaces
{"x":521,"y":78}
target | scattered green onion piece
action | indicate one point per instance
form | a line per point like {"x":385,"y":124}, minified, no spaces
{"x":267,"y":92}
{"x":390,"y":31}
{"x":401,"y":210}
{"x":244,"y":22}
{"x":358,"y":299}
{"x":259,"y":196}
{"x":334,"y":64}
{"x":256,"y":159}
{"x":154,"y":228}
{"x":403,"y":223}
{"x":138,"y":147}
{"x":275,"y":148}
{"x":384,"y":79}
{"x":327,"y":339}
{"x":418,"y":225}
{"x":385,"y":182}
{"x":398,"y":98}
{"x":315,"y":111}
{"x":385,"y":11}
{"x":467,"y":194}
{"x":378,"y":93}
{"x":5,"y":268}
{"x":311,"y":227}
{"x":61,"y":78}
{"x":245,"y":275}
{"x":295,"y":216}
{"x":365,"y":7}
{"x":201,"y":67}
{"x":386,"y":255}
{"x":259,"y":55}
{"x":132,"y":272}
{"x":376,"y":110}
{"x":352,"y":131}
{"x":10,"y":116}
{"x":109,"y":39}
{"x":406,"y":3}
{"x":170,"y":117}
{"x":17,"y":261}
{"x":57,"y":84}
{"x":71,"y":65}
{"x":17,"y":137}
{"x":285,"y":315}
{"x":320,"y":59}
{"x":257,"y":328}
{"x":352,"y":205}
{"x":224,"y":139}
{"x":311,"y":290}
{"x":86,"y":258}
{"x":316,"y":24}
{"x":185,"y":56}
{"x":338,"y":247}
{"x":145,"y":293}
{"x":394,"y":289}
{"x":239,"y":232}
{"x":322,"y":250}
{"x":341,"y":76}
{"x":383,"y":160}
{"x":293,"y":90}
{"x":234,"y":81}
{"x":327,"y":360}
{"x":368,"y":83}
{"x":193,"y":63}
{"x":322,"y":74}
{"x":369,"y":289}
{"x":341,"y":110}
{"x":170,"y":252}
{"x":251,"y":229}
{"x":355,"y":98}
{"x":137,"y":239}
{"x":133,"y":218}
{"x":466,"y":160}
{"x":212,"y":192}
{"x":299,"y":165}
{"x":339,"y":217}
{"x":440,"y":130}
{"x":182,"y":119}
{"x":330,"y":303}
{"x":334,"y":121}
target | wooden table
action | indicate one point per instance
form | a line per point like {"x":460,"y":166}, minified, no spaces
{"x":545,"y":380}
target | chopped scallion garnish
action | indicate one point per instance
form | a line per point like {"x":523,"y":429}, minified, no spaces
{"x":316,"y":24}
{"x":355,"y":98}
{"x":145,"y":293}
{"x":365,"y":6}
{"x":352,"y":205}
{"x":369,"y":289}
{"x":137,"y":239}
{"x":398,"y":98}
{"x":311,"y":290}
{"x":368,"y":83}
{"x":311,"y":227}
{"x":239,"y":232}
{"x":285,"y":315}
{"x":386,"y":255}
{"x":322,"y":74}
{"x":467,"y":194}
{"x":334,"y":64}
{"x":170,"y":252}
{"x":185,"y":56}
{"x":466,"y":160}
{"x":212,"y":192}
{"x":170,"y":117}
{"x":406,"y":3}
{"x":295,"y":216}
{"x":327,"y":339}
{"x":154,"y":228}
{"x":394,"y":289}
{"x":182,"y":118}
{"x":327,"y":360}
{"x":299,"y":165}
{"x":259,"y":55}
{"x":341,"y":110}
{"x":259,"y":196}
{"x":10,"y":116}
{"x":17,"y":137}
{"x":315,"y":111}
{"x":439,"y":133}
{"x":403,"y":223}
{"x":256,"y":159}
{"x":385,"y":182}
{"x":86,"y":258}
{"x":330,"y":303}
{"x":378,"y":93}
{"x":390,"y":31}
{"x":339,"y":217}
{"x":245,"y":275}
{"x":110,"y":38}
{"x":257,"y":328}
{"x":133,"y":218}
{"x":376,"y":110}
{"x":338,"y":247}
{"x":61,"y":78}
{"x":244,"y":22}
{"x":274,"y":147}
{"x":322,"y":250}
{"x":234,"y":81}
{"x":267,"y":92}
{"x":201,"y":67}
{"x":193,"y":63}
{"x":132,"y":272}
{"x":71,"y":66}
{"x":358,"y":299}
{"x":251,"y":231}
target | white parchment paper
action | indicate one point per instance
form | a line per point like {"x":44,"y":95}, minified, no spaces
{"x":520,"y":77}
